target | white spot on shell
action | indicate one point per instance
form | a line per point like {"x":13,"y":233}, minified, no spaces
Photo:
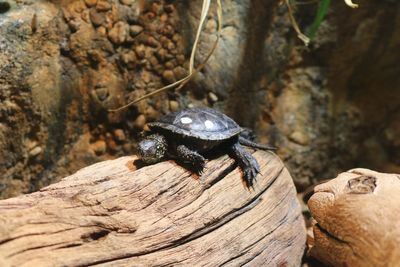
{"x":186,"y":120}
{"x":209,"y":124}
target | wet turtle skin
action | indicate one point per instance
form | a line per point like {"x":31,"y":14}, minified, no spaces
{"x":187,"y":134}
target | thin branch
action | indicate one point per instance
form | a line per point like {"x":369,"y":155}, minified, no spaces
{"x":295,"y":26}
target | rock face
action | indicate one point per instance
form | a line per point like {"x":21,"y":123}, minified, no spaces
{"x":111,"y":214}
{"x":357,"y":217}
{"x":64,"y":63}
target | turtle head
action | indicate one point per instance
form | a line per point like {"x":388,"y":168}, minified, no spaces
{"x":152,"y":149}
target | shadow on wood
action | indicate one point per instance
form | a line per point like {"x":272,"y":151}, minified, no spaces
{"x":111,"y":214}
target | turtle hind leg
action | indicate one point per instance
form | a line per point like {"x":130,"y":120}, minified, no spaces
{"x":192,"y":158}
{"x":246,"y":162}
{"x":246,"y":142}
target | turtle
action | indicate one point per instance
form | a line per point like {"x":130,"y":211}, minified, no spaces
{"x":188,"y":134}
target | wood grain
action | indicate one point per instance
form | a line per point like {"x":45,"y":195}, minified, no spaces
{"x":111,"y":214}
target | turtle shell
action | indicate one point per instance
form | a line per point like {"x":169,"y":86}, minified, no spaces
{"x":201,"y":123}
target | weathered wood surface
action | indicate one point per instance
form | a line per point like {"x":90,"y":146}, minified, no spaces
{"x":111,"y":214}
{"x":357,"y":219}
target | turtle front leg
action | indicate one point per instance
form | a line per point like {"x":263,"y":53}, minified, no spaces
{"x":246,"y":162}
{"x":191,"y":157}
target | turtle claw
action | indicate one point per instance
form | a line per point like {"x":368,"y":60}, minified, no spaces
{"x":199,"y":167}
{"x":250,"y":174}
{"x":247,"y":163}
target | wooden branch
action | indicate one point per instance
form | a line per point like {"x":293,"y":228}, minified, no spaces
{"x":357,"y":219}
{"x":111,"y":214}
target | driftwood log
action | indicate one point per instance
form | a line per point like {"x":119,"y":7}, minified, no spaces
{"x":113,"y":214}
{"x":357,"y":219}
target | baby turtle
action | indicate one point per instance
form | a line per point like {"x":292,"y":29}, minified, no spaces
{"x":187,"y":134}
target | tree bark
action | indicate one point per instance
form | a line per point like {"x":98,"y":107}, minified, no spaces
{"x":115,"y":214}
{"x":357,"y":219}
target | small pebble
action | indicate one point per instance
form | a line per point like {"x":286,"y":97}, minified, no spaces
{"x":150,"y":15}
{"x":129,"y":59}
{"x":151,"y":41}
{"x":140,"y":51}
{"x":151,"y":113}
{"x":173,"y":105}
{"x":102,"y":31}
{"x":127,"y":147}
{"x":169,"y":8}
{"x":157,"y":8}
{"x":79,"y":7}
{"x":161,"y":54}
{"x":299,"y":138}
{"x":135,"y":30}
{"x":181,"y":59}
{"x":86,"y":16}
{"x":103,"y":6}
{"x":213,"y":97}
{"x":146,"y":128}
{"x":90,"y":3}
{"x":211,"y":25}
{"x":102,"y":93}
{"x":96,"y":18}
{"x":176,"y":38}
{"x":163,"y":17}
{"x":180,"y":72}
{"x":170,"y":64}
{"x":74,"y":25}
{"x":146,"y":76}
{"x":112,"y":146}
{"x":153,"y":61}
{"x":140,"y":122}
{"x":118,"y":33}
{"x":168,"y":30}
{"x":30,"y":144}
{"x":169,"y":45}
{"x":99,"y":147}
{"x":35,"y":151}
{"x":127,"y":2}
{"x":169,"y":76}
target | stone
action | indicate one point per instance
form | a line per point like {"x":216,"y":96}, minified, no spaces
{"x":151,"y":41}
{"x":140,"y":51}
{"x":90,"y":3}
{"x":99,"y":147}
{"x":135,"y":30}
{"x":213,"y":97}
{"x":103,"y":5}
{"x":157,"y":8}
{"x":169,"y":76}
{"x":299,"y":138}
{"x":129,"y":59}
{"x":35,"y":151}
{"x":127,"y":2}
{"x":118,"y":33}
{"x":96,"y":18}
{"x":170,"y":64}
{"x":173,"y":105}
{"x":180,"y":72}
{"x":140,"y":122}
{"x":169,"y":8}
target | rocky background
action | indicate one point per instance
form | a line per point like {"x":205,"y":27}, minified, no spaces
{"x":329,"y":107}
